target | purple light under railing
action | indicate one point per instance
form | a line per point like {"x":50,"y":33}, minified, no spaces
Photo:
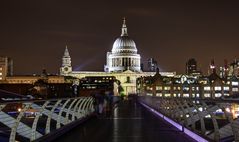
{"x":159,"y":114}
{"x":175,"y":124}
{"x":194,"y":136}
{"x":178,"y":126}
{"x":154,"y":111}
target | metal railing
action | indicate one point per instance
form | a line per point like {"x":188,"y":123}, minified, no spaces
{"x":212,"y":120}
{"x":29,"y":120}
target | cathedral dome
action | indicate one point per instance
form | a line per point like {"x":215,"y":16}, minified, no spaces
{"x":124,"y":44}
{"x":123,"y":55}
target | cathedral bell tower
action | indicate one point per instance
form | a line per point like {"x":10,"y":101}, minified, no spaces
{"x":66,"y":67}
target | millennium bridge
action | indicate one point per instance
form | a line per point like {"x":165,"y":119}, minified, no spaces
{"x":139,"y":118}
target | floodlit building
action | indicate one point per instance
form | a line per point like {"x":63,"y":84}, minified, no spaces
{"x":123,"y":62}
{"x":66,"y":63}
{"x":185,"y":86}
{"x":6,"y":67}
{"x":123,"y":55}
{"x":31,"y":79}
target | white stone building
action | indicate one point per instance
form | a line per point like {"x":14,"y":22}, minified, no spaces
{"x":123,"y":62}
{"x":123,"y":55}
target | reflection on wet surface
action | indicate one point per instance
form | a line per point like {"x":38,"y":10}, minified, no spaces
{"x":129,"y":122}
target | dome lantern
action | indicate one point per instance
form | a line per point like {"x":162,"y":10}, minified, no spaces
{"x":124,"y":44}
{"x":124,"y":28}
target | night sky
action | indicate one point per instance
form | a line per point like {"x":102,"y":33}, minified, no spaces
{"x":34,"y":32}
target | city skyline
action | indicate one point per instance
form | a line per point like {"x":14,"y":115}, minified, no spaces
{"x":34,"y":35}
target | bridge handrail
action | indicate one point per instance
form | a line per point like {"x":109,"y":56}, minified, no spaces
{"x":178,"y":109}
{"x":52,"y":109}
{"x":36,"y":100}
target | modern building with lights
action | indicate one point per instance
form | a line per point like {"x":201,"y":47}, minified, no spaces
{"x":191,"y":68}
{"x":123,"y":62}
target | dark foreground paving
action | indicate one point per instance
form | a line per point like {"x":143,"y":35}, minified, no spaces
{"x":130,"y":122}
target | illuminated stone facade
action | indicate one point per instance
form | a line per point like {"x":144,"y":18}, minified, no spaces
{"x":123,"y":55}
{"x":122,"y":62}
{"x":66,"y":63}
{"x":6,"y":67}
{"x":28,"y":79}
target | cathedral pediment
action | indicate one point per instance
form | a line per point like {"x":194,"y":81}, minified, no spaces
{"x":128,"y":71}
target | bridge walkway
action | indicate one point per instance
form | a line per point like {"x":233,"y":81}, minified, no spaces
{"x":129,"y":122}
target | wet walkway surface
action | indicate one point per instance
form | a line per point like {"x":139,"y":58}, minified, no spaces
{"x":130,"y":122}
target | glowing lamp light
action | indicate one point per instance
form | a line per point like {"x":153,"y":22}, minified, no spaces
{"x":228,"y":109}
{"x":19,"y":109}
{"x":212,"y":66}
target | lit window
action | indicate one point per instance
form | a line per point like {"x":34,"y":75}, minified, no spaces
{"x":0,"y":78}
{"x":218,"y":88}
{"x":193,"y":88}
{"x":197,"y":95}
{"x":0,"y":73}
{"x":226,"y":94}
{"x":167,"y":95}
{"x":207,"y":95}
{"x":159,"y":94}
{"x":234,"y":89}
{"x":0,"y":69}
{"x":218,"y":95}
{"x":167,"y":88}
{"x":149,"y":88}
{"x":174,"y":95}
{"x":207,"y":88}
{"x":226,"y":88}
{"x":193,"y":95}
{"x":159,"y":87}
{"x":185,"y":95}
{"x":176,"y":88}
{"x":149,"y":94}
{"x":234,"y":83}
{"x":185,"y":88}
